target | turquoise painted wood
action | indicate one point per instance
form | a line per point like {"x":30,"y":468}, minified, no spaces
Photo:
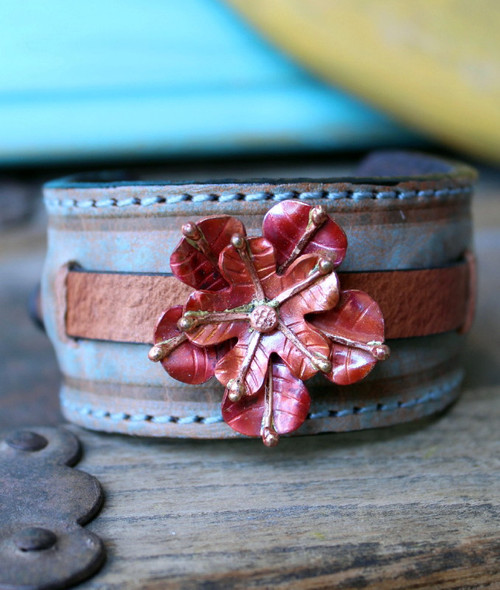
{"x":124,"y":78}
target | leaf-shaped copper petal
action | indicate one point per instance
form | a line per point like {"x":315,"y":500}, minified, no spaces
{"x":291,"y":403}
{"x":357,"y":318}
{"x":349,"y":365}
{"x":301,"y":365}
{"x":285,"y":224}
{"x":230,"y":365}
{"x":321,"y":295}
{"x":263,"y":258}
{"x":186,"y":362}
{"x":191,"y":265}
{"x":217,"y":331}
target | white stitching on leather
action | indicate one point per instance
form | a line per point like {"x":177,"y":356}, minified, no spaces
{"x":433,"y":395}
{"x":441,"y":193}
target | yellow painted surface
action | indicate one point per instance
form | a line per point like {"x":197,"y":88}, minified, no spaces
{"x":434,"y":64}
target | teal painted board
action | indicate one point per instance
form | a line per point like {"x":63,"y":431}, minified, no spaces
{"x":124,"y":78}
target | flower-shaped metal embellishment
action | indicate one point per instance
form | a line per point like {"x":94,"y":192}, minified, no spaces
{"x":267,"y":314}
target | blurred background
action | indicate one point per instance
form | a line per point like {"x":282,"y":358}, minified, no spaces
{"x":207,"y":88}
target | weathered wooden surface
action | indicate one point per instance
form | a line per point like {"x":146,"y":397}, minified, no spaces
{"x":410,"y":507}
{"x":415,"y":506}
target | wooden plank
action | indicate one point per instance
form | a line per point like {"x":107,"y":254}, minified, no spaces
{"x":29,"y":379}
{"x":410,"y":507}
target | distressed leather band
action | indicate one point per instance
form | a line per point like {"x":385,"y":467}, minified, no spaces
{"x":407,"y":220}
{"x":123,"y":307}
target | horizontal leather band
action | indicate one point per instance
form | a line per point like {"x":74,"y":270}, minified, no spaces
{"x":398,"y":211}
{"x":122,"y":307}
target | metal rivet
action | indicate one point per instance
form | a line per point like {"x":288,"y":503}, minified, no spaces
{"x":25,"y":440}
{"x":34,"y":539}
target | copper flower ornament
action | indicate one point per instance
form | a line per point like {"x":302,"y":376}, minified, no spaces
{"x":267,"y":314}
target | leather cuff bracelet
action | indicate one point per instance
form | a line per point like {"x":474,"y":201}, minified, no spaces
{"x":273,"y":283}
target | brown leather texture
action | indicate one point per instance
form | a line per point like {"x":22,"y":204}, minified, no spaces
{"x":123,"y":307}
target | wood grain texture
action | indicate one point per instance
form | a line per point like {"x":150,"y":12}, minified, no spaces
{"x":411,"y":507}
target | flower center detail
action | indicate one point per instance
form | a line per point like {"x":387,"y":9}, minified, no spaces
{"x":264,"y":319}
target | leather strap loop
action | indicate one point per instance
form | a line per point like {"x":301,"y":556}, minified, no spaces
{"x":123,"y":307}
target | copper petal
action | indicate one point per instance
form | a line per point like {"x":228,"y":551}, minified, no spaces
{"x":191,"y":265}
{"x":285,"y":224}
{"x":187,"y":363}
{"x":291,"y":403}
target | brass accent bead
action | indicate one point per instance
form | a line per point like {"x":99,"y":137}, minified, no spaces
{"x":238,"y":241}
{"x":318,"y":215}
{"x":155,"y":354}
{"x":270,"y":437}
{"x":190,"y":230}
{"x":325,"y":366}
{"x":381,"y":352}
{"x":325,"y":266}
{"x":185,"y":324}
{"x":236,"y":390}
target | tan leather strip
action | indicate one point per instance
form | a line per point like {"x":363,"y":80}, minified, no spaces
{"x":417,"y":302}
{"x":124,"y":307}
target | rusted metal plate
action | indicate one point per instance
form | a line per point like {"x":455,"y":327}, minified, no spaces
{"x":44,"y":502}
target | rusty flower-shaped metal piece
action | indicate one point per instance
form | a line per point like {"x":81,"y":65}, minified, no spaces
{"x":267,"y":314}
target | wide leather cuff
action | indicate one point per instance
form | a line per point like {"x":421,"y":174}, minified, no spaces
{"x":107,"y":279}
